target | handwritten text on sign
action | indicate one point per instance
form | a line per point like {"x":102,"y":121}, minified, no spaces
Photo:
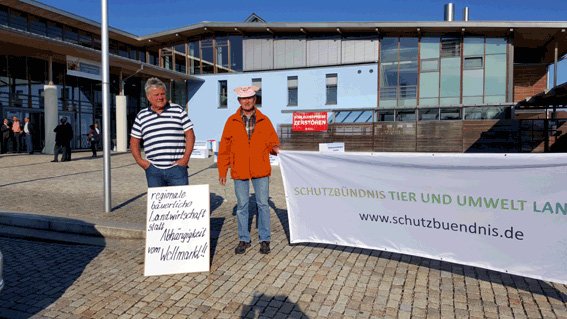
{"x":178,"y":232}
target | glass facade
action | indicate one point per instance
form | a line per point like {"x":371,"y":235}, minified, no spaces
{"x":214,"y":54}
{"x":55,"y":30}
{"x":398,"y":72}
{"x":475,"y":76}
{"x":430,"y":77}
{"x":22,"y":81}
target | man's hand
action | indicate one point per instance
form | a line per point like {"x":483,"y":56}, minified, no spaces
{"x":222,"y":180}
{"x":144,"y":164}
{"x":182,"y":162}
{"x":276,"y":149}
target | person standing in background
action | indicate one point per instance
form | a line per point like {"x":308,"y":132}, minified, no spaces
{"x":94,"y":138}
{"x":17,"y":134}
{"x":5,"y":138}
{"x":28,"y":131}
{"x":63,"y":136}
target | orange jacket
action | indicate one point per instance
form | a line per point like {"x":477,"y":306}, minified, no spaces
{"x":246,"y":159}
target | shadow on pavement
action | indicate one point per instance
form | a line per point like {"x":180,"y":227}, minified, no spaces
{"x":266,"y":306}
{"x":133,"y":199}
{"x":216,"y":223}
{"x":37,"y":273}
{"x":216,"y":228}
{"x":253,"y":212}
{"x":282,"y":216}
{"x":215,"y":201}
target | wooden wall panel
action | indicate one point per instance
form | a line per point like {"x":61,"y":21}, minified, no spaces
{"x":440,"y":136}
{"x":395,"y":137}
{"x":491,"y":136}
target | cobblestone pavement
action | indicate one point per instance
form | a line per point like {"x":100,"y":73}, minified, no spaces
{"x":53,"y":280}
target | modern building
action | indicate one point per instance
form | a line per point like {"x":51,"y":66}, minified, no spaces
{"x":408,"y":86}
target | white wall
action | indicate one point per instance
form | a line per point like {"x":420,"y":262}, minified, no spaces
{"x":355,"y":90}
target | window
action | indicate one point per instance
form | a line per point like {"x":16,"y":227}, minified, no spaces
{"x":223,"y":98}
{"x":450,"y":47}
{"x":258,"y":82}
{"x":427,"y":114}
{"x":351,"y":117}
{"x":18,"y":20}
{"x":472,"y":63}
{"x":292,"y":84}
{"x":429,"y":73}
{"x":207,"y":56}
{"x":398,"y":72}
{"x":386,"y":116}
{"x":194,"y":64}
{"x":3,"y":15}
{"x":450,"y":79}
{"x":54,"y":30}
{"x":235,"y":52}
{"x":222,"y":54}
{"x":153,"y":57}
{"x":85,"y":39}
{"x":180,"y":47}
{"x":331,"y":85}
{"x":71,"y":35}
{"x":430,"y":65}
{"x":406,"y":116}
{"x":450,"y":113}
{"x":495,"y":71}
{"x":38,"y":26}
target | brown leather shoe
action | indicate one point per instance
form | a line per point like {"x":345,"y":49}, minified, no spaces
{"x":265,"y":247}
{"x":241,"y":248}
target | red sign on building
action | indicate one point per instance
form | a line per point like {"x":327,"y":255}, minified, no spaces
{"x":309,"y":122}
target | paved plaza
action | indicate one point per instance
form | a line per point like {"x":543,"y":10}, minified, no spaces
{"x":52,"y":279}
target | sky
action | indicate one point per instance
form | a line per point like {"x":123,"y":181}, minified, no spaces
{"x":144,"y":17}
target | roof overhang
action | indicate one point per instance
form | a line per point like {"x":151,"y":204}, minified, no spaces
{"x":542,"y":35}
{"x":557,"y":96}
{"x":17,"y":42}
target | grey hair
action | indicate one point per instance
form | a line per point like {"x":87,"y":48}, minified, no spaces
{"x":154,"y":83}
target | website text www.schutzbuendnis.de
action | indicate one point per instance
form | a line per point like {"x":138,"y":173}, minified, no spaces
{"x":436,"y":224}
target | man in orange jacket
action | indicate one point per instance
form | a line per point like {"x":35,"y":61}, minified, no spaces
{"x":247,"y":141}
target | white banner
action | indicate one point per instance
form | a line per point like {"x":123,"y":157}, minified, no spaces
{"x":178,"y":230}
{"x":505,"y":212}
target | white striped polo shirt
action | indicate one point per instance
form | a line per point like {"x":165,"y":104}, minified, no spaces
{"x":163,"y":134}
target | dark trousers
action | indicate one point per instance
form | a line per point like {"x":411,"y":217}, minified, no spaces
{"x":67,"y":151}
{"x":93,"y":148}
{"x":29,"y":143}
{"x":17,"y":142}
{"x":62,"y":148}
{"x":4,"y":146}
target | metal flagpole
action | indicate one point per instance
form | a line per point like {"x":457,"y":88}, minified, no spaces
{"x":105,"y":106}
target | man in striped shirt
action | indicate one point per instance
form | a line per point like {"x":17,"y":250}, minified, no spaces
{"x":167,"y":133}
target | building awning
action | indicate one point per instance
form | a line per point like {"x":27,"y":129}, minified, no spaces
{"x":24,"y":43}
{"x":556,"y":96}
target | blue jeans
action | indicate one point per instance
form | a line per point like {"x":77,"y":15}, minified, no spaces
{"x":261,"y":189}
{"x":173,"y":176}
{"x":29,"y":143}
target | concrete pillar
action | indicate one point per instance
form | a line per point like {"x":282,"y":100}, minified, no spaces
{"x":51,"y":116}
{"x":121,"y":124}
